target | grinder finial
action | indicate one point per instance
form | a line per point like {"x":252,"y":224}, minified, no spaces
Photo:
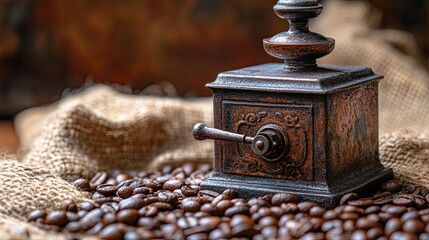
{"x":298,"y":47}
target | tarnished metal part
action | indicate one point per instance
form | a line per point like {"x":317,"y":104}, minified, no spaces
{"x":322,"y":119}
{"x":269,"y":142}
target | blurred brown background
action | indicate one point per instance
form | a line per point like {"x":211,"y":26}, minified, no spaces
{"x":49,"y":45}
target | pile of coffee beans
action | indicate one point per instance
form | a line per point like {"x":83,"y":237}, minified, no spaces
{"x":169,"y":204}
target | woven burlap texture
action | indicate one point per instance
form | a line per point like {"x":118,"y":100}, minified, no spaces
{"x":28,"y":187}
{"x":100,"y":129}
{"x":406,"y":152}
{"x":25,"y":188}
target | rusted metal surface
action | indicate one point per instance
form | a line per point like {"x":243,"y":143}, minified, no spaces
{"x":323,"y":122}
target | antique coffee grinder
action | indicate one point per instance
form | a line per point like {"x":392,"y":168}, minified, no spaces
{"x":296,"y":127}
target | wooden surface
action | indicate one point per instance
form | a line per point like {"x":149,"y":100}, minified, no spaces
{"x":8,"y":139}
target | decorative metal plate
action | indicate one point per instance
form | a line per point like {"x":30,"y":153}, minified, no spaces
{"x":295,"y":122}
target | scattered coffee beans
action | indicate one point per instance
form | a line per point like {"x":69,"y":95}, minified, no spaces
{"x":169,"y":204}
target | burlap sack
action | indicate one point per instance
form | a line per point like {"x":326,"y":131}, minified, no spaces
{"x":26,"y":187}
{"x":102,"y":129}
{"x":406,"y":152}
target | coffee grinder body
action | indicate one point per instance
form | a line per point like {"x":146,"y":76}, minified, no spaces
{"x":296,"y":127}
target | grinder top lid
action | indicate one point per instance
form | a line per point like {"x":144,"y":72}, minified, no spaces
{"x":299,"y":48}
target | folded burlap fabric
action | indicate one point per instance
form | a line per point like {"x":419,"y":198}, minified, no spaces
{"x":103,"y":129}
{"x":25,"y":188}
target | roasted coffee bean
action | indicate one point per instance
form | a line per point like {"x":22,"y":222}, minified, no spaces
{"x":187,"y":222}
{"x":150,"y":183}
{"x":96,"y":229}
{"x":420,"y":202}
{"x":58,"y":218}
{"x":317,"y":211}
{"x":306,"y":206}
{"x":162,"y":206}
{"x":91,"y":218}
{"x":267,"y":197}
{"x":188,"y":191}
{"x":125,"y":191}
{"x":231,"y":193}
{"x":330,"y":214}
{"x":403,"y":236}
{"x":277,"y":211}
{"x":191,"y":206}
{"x":99,"y":178}
{"x":87,"y":206}
{"x":128,"y":216}
{"x":349,"y":216}
{"x":172,"y":231}
{"x":72,"y":216}
{"x":82,"y":184}
{"x":312,"y":236}
{"x":73,"y":227}
{"x":168,"y":197}
{"x":36,"y":214}
{"x":410,"y":215}
{"x":393,"y":225}
{"x":224,"y":204}
{"x":134,"y":203}
{"x":414,"y":226}
{"x":97,"y":195}
{"x":133,"y":235}
{"x":366,"y":223}
{"x":362,"y":203}
{"x":395,"y":210}
{"x":81,"y":213}
{"x":109,"y":207}
{"x":424,"y":236}
{"x":107,"y":189}
{"x":383,"y":200}
{"x":142,"y":190}
{"x":101,"y":201}
{"x":403,"y":200}
{"x":280,"y":198}
{"x":156,"y":205}
{"x":381,"y":195}
{"x":258,"y":202}
{"x":409,"y":188}
{"x":358,"y":235}
{"x":392,"y":186}
{"x":173,"y":184}
{"x":375,"y":232}
{"x":348,"y":197}
{"x":208,"y":193}
{"x":219,"y":198}
{"x":148,"y":222}
{"x":113,"y":231}
{"x":267,"y":221}
{"x":210,"y":209}
{"x":122,"y":177}
{"x":236,"y":210}
{"x":109,"y":218}
{"x":127,"y":182}
{"x":148,"y":211}
{"x":69,"y":205}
